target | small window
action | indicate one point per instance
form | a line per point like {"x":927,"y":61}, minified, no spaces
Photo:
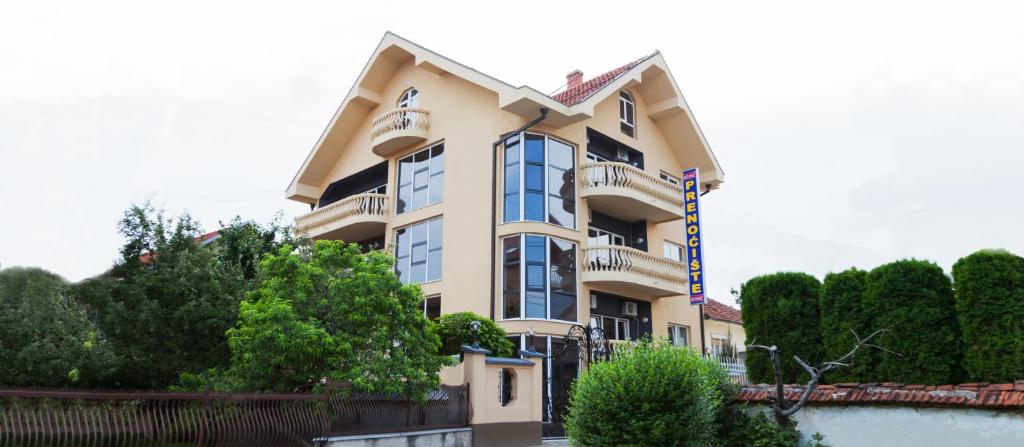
{"x":506,"y":386}
{"x":679,"y":335}
{"x":409,"y":98}
{"x":627,"y":113}
{"x":614,"y":328}
{"x":382,"y":189}
{"x":432,"y":307}
{"x":673,"y":252}
{"x":668,"y":178}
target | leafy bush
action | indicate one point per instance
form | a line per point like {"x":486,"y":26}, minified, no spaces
{"x":454,"y":330}
{"x":329,"y":311}
{"x":915,"y":299}
{"x":842,"y":295}
{"x":781,"y":309}
{"x":651,"y":394}
{"x":990,"y":309}
{"x":757,"y":430}
{"x":46,"y":339}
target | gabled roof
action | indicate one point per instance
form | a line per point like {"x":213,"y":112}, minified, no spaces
{"x":586,"y":89}
{"x":715,"y":310}
{"x":649,"y":78}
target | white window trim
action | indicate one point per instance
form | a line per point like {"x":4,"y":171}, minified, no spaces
{"x":624,"y":117}
{"x":681,"y":251}
{"x":670,"y":178}
{"x":407,"y":102}
{"x":629,"y":333}
{"x":547,"y":278}
{"x":684,"y":329}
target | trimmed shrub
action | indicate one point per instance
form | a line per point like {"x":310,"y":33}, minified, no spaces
{"x":842,"y":295}
{"x":781,"y":309}
{"x":454,"y":331}
{"x":990,"y":309}
{"x":915,"y":299}
{"x":651,"y":394}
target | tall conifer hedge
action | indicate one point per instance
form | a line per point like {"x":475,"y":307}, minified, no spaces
{"x":990,"y":308}
{"x":781,"y":309}
{"x":915,"y":299}
{"x":842,"y":296}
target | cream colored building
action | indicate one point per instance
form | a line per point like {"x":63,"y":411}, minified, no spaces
{"x":576,"y":220}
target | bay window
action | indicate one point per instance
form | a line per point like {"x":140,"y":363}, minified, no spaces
{"x":539,"y":180}
{"x":418,"y":252}
{"x":539,"y":279}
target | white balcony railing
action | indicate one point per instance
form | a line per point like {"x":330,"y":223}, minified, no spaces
{"x":622,"y":175}
{"x":399,"y":127}
{"x":352,"y":209}
{"x":629,"y":265}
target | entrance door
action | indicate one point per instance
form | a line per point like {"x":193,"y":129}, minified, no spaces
{"x":559,"y":373}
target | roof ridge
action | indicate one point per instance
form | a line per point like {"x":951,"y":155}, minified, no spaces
{"x":579,"y":93}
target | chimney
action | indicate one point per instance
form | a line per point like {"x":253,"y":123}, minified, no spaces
{"x":574,"y":79}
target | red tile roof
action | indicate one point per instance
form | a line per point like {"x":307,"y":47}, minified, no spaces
{"x":720,"y":311}
{"x":203,"y":239}
{"x":976,"y":395}
{"x":586,"y":89}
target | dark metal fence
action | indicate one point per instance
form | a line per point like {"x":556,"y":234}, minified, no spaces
{"x":31,"y":417}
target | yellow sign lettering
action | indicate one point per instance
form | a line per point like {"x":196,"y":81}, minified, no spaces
{"x":690,"y":183}
{"x":695,"y":265}
{"x":691,"y":207}
{"x":695,"y":288}
{"x":692,"y":229}
{"x":693,"y":242}
{"x":691,"y":218}
{"x":690,"y":195}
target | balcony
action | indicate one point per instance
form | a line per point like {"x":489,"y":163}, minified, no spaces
{"x":629,"y":193}
{"x":398,"y":129}
{"x":352,"y":219}
{"x":632,"y":272}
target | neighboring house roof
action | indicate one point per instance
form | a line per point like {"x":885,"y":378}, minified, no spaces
{"x":203,"y":239}
{"x":650,"y":76}
{"x":575,"y":95}
{"x":975,"y":395}
{"x":715,"y":310}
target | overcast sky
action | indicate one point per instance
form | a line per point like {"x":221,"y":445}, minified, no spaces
{"x":849,"y":136}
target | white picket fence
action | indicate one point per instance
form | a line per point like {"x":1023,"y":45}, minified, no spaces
{"x":737,"y":369}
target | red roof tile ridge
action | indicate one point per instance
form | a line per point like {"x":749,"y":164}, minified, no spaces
{"x":575,"y":95}
{"x":717,"y":310}
{"x":970,"y":395}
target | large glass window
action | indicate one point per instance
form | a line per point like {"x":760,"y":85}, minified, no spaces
{"x":418,"y":251}
{"x":540,"y":180}
{"x":421,"y":179}
{"x":539,"y":278}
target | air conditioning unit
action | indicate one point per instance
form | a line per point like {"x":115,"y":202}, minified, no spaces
{"x":629,"y":308}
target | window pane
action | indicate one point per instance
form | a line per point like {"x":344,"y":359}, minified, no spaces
{"x":535,"y":305}
{"x":563,"y":267}
{"x":437,"y":188}
{"x":512,"y":179}
{"x":534,"y":206}
{"x":560,"y":154}
{"x":535,"y":249}
{"x":436,"y":232}
{"x":405,"y":171}
{"x":404,"y":199}
{"x":534,"y":276}
{"x":402,"y":267}
{"x":434,"y":265}
{"x":534,"y":177}
{"x":421,"y":160}
{"x":420,"y":179}
{"x":437,"y":159}
{"x":419,"y":253}
{"x":563,"y":307}
{"x":535,"y":148}
{"x":402,"y":243}
{"x":432,"y":307}
{"x":512,"y":208}
{"x":511,"y":153}
{"x":419,"y":199}
{"x":418,"y":273}
{"x":511,"y":255}
{"x":561,"y":212}
{"x":608,"y":325}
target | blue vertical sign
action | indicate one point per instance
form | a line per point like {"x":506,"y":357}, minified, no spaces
{"x":694,"y":249}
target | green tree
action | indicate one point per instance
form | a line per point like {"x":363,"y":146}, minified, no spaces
{"x":914,"y":299}
{"x":46,"y":339}
{"x":781,"y":309}
{"x":244,"y":243}
{"x":454,"y":330}
{"x":329,"y":311}
{"x":842,"y":295}
{"x":990,"y":309}
{"x":167,"y":302}
{"x":651,"y":394}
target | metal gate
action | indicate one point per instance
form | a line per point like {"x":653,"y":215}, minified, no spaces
{"x":581,"y":346}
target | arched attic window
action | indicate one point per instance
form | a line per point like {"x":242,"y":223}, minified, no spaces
{"x":410,"y":98}
{"x":627,"y":113}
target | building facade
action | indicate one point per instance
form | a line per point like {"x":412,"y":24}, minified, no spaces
{"x":575,"y":219}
